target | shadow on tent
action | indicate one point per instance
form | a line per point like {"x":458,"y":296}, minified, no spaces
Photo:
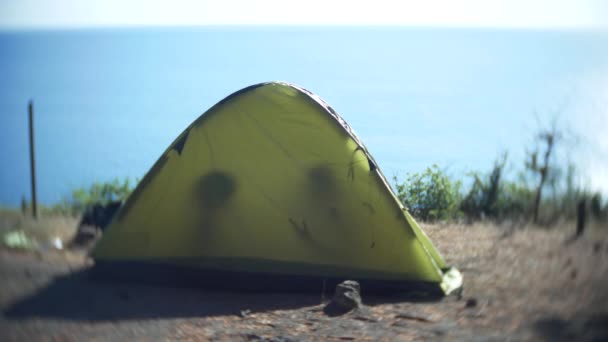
{"x":78,"y":296}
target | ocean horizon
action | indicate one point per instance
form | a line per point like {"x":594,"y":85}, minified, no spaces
{"x":108,"y":102}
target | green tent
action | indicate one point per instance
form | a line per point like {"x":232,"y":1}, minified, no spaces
{"x":270,"y":188}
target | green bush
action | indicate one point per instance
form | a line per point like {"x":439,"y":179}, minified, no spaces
{"x":492,"y":197}
{"x":97,"y":193}
{"x":483,"y":198}
{"x":515,"y":201}
{"x":597,"y":208}
{"x":430,"y":195}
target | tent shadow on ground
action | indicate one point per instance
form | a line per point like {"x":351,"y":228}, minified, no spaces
{"x":77,"y":296}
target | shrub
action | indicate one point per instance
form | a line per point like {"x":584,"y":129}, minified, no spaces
{"x":430,"y":195}
{"x":483,"y":198}
{"x":515,"y":201}
{"x":97,"y":193}
{"x":493,"y":197}
{"x":596,"y":207}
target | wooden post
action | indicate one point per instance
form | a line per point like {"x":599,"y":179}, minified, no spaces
{"x":581,"y":215}
{"x":32,"y":159}
{"x":23,"y":206}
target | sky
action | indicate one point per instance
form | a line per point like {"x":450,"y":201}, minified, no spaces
{"x":524,"y":14}
{"x":566,"y":14}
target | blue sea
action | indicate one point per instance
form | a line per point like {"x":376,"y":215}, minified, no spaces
{"x":108,"y":102}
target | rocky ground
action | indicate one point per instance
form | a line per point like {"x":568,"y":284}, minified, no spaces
{"x":522,"y":284}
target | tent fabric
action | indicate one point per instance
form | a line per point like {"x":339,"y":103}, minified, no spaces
{"x":272,"y":181}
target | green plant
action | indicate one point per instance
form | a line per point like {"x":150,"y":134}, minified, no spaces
{"x":430,"y":195}
{"x":97,"y":193}
{"x":514,"y":201}
{"x":596,"y":206}
{"x":484,"y":197}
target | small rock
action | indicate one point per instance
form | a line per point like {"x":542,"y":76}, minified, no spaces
{"x":597,"y":247}
{"x":346,"y":298}
{"x":245,"y":313}
{"x":471,"y":303}
{"x":573,"y":274}
{"x":348,"y":294}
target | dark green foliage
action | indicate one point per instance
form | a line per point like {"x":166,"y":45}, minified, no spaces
{"x":483,"y":198}
{"x":430,"y":195}
{"x":515,"y":201}
{"x":493,"y":197}
{"x":596,"y":205}
{"x":97,"y":193}
{"x":434,"y":196}
{"x":597,"y":208}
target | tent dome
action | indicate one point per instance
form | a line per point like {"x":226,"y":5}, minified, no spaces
{"x":271,"y":185}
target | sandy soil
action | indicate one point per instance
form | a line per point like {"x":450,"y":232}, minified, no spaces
{"x":519,"y":285}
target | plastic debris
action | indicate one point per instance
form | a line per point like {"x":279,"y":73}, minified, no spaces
{"x":18,"y":240}
{"x":57,"y":243}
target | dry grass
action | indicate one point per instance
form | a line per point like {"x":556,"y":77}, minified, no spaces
{"x":522,"y":275}
{"x":520,"y":283}
{"x":43,"y":230}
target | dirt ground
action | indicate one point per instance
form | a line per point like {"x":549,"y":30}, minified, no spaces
{"x":522,"y":284}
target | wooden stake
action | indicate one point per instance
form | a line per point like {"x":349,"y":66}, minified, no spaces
{"x":32,"y":160}
{"x":580,"y":217}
